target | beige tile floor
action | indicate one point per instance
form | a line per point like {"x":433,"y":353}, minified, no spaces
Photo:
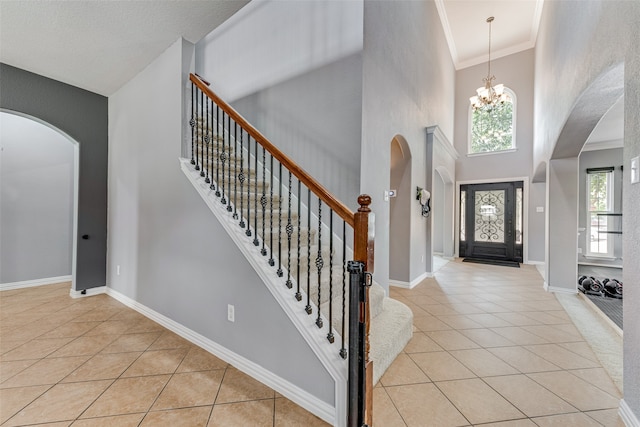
{"x":490,"y":348}
{"x":92,"y":362}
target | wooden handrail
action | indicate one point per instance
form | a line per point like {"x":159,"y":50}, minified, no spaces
{"x":318,"y":189}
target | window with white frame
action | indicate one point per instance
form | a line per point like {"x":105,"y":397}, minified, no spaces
{"x":492,"y":127}
{"x":599,"y":210}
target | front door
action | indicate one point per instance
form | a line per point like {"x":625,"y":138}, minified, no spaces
{"x":491,"y":221}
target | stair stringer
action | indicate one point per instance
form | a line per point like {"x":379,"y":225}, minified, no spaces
{"x":326,"y":352}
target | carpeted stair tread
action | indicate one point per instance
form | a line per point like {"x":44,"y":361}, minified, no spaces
{"x":376,"y":299}
{"x":390,"y":332}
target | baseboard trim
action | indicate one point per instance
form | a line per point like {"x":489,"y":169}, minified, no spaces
{"x":559,"y":290}
{"x":282,"y":386}
{"x":412,"y":284}
{"x":419,"y":279}
{"x":35,"y":282}
{"x":87,"y":292}
{"x":628,"y":417}
{"x":399,"y":284}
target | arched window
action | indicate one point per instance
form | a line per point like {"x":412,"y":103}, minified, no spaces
{"x":492,"y":128}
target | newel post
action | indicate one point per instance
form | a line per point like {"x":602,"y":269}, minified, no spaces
{"x":363,"y":251}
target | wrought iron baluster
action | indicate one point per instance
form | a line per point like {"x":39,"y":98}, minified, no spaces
{"x":330,"y":336}
{"x":248,"y":232}
{"x":235,"y":170}
{"x":202,"y":121}
{"x":213,"y":136}
{"x":198,"y":126}
{"x":343,"y":349}
{"x":217,"y":138}
{"x":279,"y":272}
{"x":229,"y":208}
{"x":289,"y":229}
{"x":223,"y":159}
{"x":207,"y":141}
{"x":298,"y":294}
{"x":308,"y":308}
{"x":256,"y":242}
{"x":319,"y":262}
{"x":241,"y":177}
{"x":272,"y":262}
{"x":192,"y":122}
{"x":263,"y":201}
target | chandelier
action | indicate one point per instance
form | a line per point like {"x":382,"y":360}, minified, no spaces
{"x":488,"y":95}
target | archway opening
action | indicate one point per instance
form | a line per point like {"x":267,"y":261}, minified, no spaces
{"x":400,"y":211}
{"x":38,"y":202}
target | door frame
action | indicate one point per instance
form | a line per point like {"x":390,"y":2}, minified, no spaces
{"x":525,"y":211}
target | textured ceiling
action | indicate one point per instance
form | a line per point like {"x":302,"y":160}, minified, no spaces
{"x":465,"y":25}
{"x":99,"y":45}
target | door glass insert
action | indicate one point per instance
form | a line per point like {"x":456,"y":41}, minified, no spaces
{"x":489,"y":213}
{"x":518,"y":216}
{"x":463,"y":210}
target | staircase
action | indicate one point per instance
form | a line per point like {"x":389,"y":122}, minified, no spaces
{"x":298,"y":230}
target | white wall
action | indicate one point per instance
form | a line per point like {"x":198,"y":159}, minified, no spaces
{"x":578,"y":42}
{"x":408,"y":84}
{"x":36,"y":200}
{"x":174,"y":256}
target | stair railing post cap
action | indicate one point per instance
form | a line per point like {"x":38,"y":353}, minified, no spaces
{"x":364,"y":200}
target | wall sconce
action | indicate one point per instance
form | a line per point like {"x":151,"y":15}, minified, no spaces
{"x":424,"y":198}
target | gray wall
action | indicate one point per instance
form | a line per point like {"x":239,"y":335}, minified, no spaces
{"x":408,"y":84}
{"x":36,"y":200}
{"x":595,"y":159}
{"x":302,"y":88}
{"x":578,"y":42}
{"x":537,"y":199}
{"x":174,"y":256}
{"x":516,"y":72}
{"x":83,"y":116}
{"x":315,"y":119}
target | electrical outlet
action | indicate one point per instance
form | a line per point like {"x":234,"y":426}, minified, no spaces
{"x":579,"y":250}
{"x":117,"y":270}
{"x":231,"y":313}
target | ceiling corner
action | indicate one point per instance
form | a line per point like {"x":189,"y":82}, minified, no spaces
{"x":444,"y":20}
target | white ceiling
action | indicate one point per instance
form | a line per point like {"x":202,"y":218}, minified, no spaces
{"x":609,"y":132}
{"x":99,"y":45}
{"x":514,"y":29}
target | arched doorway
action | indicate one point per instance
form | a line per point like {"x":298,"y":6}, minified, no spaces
{"x":400,"y":212}
{"x":562,"y":174}
{"x":38,"y":202}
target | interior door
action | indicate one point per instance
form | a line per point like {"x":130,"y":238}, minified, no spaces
{"x":491,"y":221}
